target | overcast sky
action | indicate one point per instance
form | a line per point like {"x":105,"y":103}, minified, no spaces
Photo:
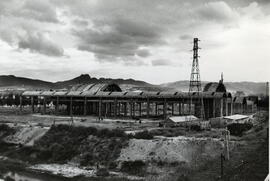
{"x":148,"y":40}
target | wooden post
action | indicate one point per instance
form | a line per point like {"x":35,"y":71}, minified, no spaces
{"x":71,"y":107}
{"x":222,"y":158}
{"x":32,"y":104}
{"x":148,"y":107}
{"x":85,"y":106}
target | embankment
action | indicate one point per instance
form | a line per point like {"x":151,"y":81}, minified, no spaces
{"x":91,"y":148}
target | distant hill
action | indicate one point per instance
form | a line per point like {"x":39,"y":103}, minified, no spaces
{"x":247,"y":87}
{"x":13,"y":82}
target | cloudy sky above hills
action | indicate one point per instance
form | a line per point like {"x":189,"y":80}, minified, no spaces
{"x":148,"y":40}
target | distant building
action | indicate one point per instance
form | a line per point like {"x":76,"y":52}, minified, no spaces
{"x":236,"y":118}
{"x":179,"y":120}
{"x":239,"y":94}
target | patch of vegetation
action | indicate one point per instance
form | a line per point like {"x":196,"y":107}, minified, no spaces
{"x":90,"y":145}
{"x":5,"y":130}
{"x":143,"y":135}
{"x":133,"y":167}
{"x":169,"y":132}
{"x":237,"y":129}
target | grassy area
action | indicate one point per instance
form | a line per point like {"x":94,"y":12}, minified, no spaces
{"x":248,"y":161}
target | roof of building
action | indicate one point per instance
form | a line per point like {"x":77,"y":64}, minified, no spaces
{"x":179,"y":119}
{"x":214,"y":87}
{"x":236,"y":117}
{"x":93,"y":88}
{"x":249,"y":102}
{"x":239,"y":100}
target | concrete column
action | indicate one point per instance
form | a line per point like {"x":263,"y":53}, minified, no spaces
{"x":99,"y":108}
{"x":85,"y":106}
{"x":130,"y":104}
{"x":221,"y":107}
{"x":231,"y":106}
{"x":214,"y":107}
{"x":133,"y":108}
{"x":71,"y":107}
{"x":32,"y":104}
{"x":148,"y":107}
{"x":125,"y":109}
{"x":57,"y":105}
{"x":105,"y":109}
{"x":119,"y":109}
{"x":226,"y":107}
{"x":165,"y":109}
{"x":179,"y":108}
{"x":44,"y":105}
{"x":140,"y":109}
{"x":172,"y":108}
{"x":190,"y":105}
{"x":156,"y":108}
{"x":21,"y":104}
{"x":115,"y":108}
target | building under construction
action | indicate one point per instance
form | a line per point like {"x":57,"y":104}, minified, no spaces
{"x":108,"y":100}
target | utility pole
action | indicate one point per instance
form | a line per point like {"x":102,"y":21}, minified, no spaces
{"x":195,"y":80}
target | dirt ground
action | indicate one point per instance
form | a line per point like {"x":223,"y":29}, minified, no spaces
{"x":248,"y":161}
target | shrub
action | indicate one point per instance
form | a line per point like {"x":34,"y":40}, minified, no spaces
{"x":143,"y":135}
{"x":195,"y":128}
{"x":133,"y":167}
{"x":5,"y":130}
{"x":237,"y":129}
{"x":63,"y":142}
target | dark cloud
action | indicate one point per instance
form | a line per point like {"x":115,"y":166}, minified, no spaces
{"x":39,"y":10}
{"x":39,"y":43}
{"x":143,"y":53}
{"x":186,"y":37}
{"x":79,"y":22}
{"x":119,"y":38}
{"x":161,"y":62}
{"x":218,"y":11}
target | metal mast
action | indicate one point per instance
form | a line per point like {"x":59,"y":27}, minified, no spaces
{"x":195,"y":80}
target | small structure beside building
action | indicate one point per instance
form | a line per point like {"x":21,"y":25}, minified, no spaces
{"x":222,"y":122}
{"x":237,"y":118}
{"x":175,"y":121}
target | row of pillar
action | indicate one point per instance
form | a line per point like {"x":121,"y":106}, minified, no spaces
{"x":118,"y":105}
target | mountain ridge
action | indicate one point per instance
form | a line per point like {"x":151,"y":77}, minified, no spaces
{"x":14,"y":82}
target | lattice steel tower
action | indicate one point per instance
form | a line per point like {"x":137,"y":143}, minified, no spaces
{"x":195,"y":81}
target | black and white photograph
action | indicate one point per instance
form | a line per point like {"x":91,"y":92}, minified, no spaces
{"x":134,"y":90}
